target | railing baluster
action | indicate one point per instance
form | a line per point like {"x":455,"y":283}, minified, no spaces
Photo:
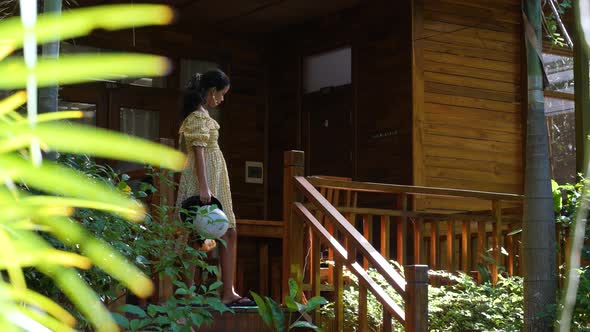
{"x":511,"y":253}
{"x":339,"y":296}
{"x":496,"y":238}
{"x":315,"y":280}
{"x":451,"y":245}
{"x":481,"y":247}
{"x":368,"y":234}
{"x":386,"y":322}
{"x":418,"y":227}
{"x":385,"y":236}
{"x":466,"y":246}
{"x":434,"y":264}
{"x":363,"y":313}
{"x":402,"y":230}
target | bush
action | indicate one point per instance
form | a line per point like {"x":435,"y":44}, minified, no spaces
{"x":462,"y":306}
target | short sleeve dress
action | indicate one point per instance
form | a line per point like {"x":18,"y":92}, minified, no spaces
{"x":199,"y":129}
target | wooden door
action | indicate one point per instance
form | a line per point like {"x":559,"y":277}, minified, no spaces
{"x":328,"y":132}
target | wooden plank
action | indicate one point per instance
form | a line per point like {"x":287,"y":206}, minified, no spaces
{"x":477,"y":155}
{"x":430,"y":15}
{"x":511,"y":255}
{"x":264,"y":268}
{"x":262,"y":229}
{"x":471,"y":82}
{"x":471,"y":52}
{"x":490,"y":13}
{"x":468,"y":114}
{"x":472,"y":144}
{"x":463,"y":174}
{"x":465,"y":184}
{"x":396,"y":189}
{"x":471,"y":62}
{"x":454,"y":90}
{"x":483,"y":74}
{"x":464,"y":130}
{"x":477,"y":165}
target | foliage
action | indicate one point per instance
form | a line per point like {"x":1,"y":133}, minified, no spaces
{"x":187,"y":309}
{"x":274,"y":317}
{"x":461,"y":306}
{"x":567,"y":199}
{"x":153,"y":246}
{"x":550,"y":23}
{"x":30,"y":216}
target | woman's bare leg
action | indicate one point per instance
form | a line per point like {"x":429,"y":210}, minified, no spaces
{"x":228,"y":266}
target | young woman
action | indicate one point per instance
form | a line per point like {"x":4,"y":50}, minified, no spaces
{"x":206,"y":172}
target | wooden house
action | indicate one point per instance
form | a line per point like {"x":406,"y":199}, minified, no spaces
{"x":422,"y":94}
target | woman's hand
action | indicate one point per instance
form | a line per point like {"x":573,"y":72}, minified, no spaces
{"x":205,"y":195}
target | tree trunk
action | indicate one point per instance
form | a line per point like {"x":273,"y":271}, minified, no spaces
{"x":48,"y":96}
{"x":538,"y":243}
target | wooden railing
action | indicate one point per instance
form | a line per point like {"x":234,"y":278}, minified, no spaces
{"x":443,"y":239}
{"x":347,"y":244}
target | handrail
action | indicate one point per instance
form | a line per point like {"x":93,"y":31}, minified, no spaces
{"x":378,"y":262}
{"x":356,"y":268}
{"x":415,"y":190}
{"x":412,"y":290}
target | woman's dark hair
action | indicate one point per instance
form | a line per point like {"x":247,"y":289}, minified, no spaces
{"x":198,"y":86}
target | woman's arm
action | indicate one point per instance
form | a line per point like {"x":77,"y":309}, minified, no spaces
{"x":201,"y":172}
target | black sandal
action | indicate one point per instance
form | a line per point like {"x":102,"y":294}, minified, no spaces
{"x":242,"y":302}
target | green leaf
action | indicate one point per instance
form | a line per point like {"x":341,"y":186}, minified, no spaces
{"x":133,"y":309}
{"x":80,"y":139}
{"x":80,"y":22}
{"x":557,"y":199}
{"x":278,"y":317}
{"x":304,"y":324}
{"x":72,"y":69}
{"x":315,"y":302}
{"x":215,"y":285}
{"x":263,"y":310}
{"x":134,"y":325}
{"x":196,"y":319}
{"x":121,"y":320}
{"x":293,"y":288}
{"x":291,"y":304}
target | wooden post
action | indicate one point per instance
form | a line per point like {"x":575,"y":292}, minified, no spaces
{"x":293,"y":232}
{"x":384,"y":242}
{"x":497,"y":239}
{"x":402,"y":230}
{"x":434,"y":245}
{"x":264,"y":266}
{"x":416,"y":305}
{"x":418,"y":226}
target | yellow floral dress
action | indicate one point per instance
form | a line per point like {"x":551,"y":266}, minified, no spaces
{"x":199,"y":129}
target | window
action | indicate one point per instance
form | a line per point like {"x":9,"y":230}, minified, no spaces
{"x":329,"y":69}
{"x":560,"y":116}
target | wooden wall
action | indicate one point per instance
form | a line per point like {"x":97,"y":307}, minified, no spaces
{"x":380,"y":36}
{"x":244,"y":111}
{"x":468,"y":119}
